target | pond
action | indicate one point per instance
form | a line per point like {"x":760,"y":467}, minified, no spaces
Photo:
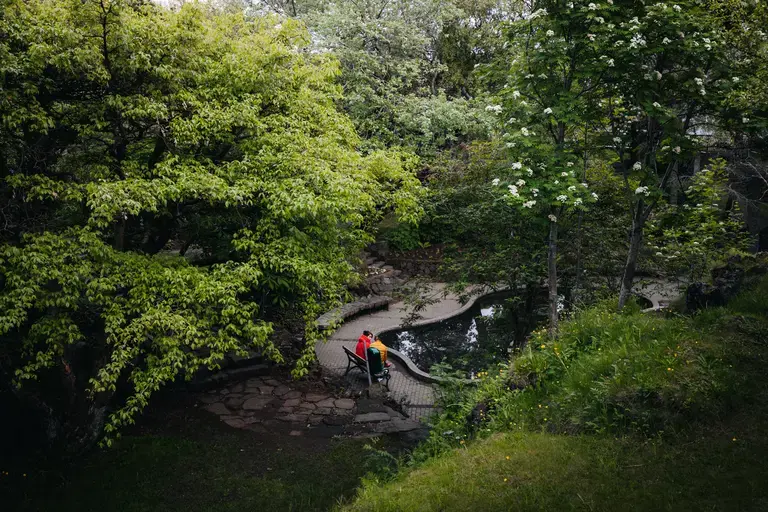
{"x":473,"y":340}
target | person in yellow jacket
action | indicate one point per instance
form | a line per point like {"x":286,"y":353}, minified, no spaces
{"x":382,"y":350}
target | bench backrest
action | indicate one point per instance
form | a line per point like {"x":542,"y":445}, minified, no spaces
{"x":354,"y":357}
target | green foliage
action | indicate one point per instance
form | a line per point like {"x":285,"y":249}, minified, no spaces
{"x":154,"y":130}
{"x":692,"y":237}
{"x":610,"y":372}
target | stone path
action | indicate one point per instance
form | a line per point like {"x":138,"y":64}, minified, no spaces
{"x":659,"y":291}
{"x":265,"y":404}
{"x":417,"y":397}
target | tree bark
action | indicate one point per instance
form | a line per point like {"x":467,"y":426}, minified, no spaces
{"x":635,"y":240}
{"x":552,"y":276}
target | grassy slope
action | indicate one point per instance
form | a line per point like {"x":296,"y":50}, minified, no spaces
{"x":720,"y":463}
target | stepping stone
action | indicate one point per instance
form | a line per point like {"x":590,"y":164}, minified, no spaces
{"x":223,"y":391}
{"x":293,"y":402}
{"x":323,"y":411}
{"x":285,"y":410}
{"x":234,"y":403}
{"x":344,"y":403}
{"x":397,"y":425}
{"x":292,"y":394}
{"x":281,"y":390}
{"x":251,"y":420}
{"x":315,"y":397}
{"x":257,"y":403}
{"x":296,"y":433}
{"x":273,"y":382}
{"x":307,"y":406}
{"x":236,"y":422}
{"x":237,"y":388}
{"x":219,"y":409}
{"x":392,"y":413}
{"x":209,"y":399}
{"x":315,"y":420}
{"x":266,"y":390}
{"x":296,"y":418}
{"x":255,"y":382}
{"x":371,"y":417}
{"x":328,"y":402}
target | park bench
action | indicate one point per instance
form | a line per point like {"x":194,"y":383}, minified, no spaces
{"x":355,"y":361}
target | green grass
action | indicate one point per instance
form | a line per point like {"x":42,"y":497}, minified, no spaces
{"x":621,"y":412}
{"x":201,"y":466}
{"x":537,"y":471}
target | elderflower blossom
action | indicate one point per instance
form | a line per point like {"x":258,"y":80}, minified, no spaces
{"x":676,"y":149}
{"x":572,"y":188}
{"x":637,"y":166}
{"x":666,"y":40}
{"x":745,"y":120}
{"x":515,"y":94}
{"x":735,"y":79}
{"x":552,"y":218}
{"x":658,"y":75}
{"x":547,"y":110}
{"x":698,"y":81}
{"x":535,"y":192}
{"x":517,"y":165}
{"x":577,"y":201}
{"x":562,"y":198}
{"x":618,"y":43}
{"x":592,"y":7}
{"x":569,"y":164}
{"x":529,"y":171}
{"x":529,"y":204}
{"x":496,"y":109}
{"x":510,"y":144}
{"x":539,"y":13}
{"x":637,"y":41}
{"x":496,"y":182}
{"x":599,"y":19}
{"x":585,"y":185}
{"x":564,"y":174}
{"x":610,"y":63}
{"x":594,"y":196}
{"x":524,"y":131}
{"x":520,"y":183}
{"x":550,"y":33}
{"x":642,"y":190}
{"x":617,"y":140}
{"x":513,"y":191}
{"x":556,"y":182}
{"x":656,"y":104}
{"x":677,"y":8}
{"x":591,"y":37}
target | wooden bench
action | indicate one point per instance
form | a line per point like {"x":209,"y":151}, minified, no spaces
{"x":355,"y":361}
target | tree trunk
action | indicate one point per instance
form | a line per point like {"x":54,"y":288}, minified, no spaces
{"x":635,"y":240}
{"x":552,"y":271}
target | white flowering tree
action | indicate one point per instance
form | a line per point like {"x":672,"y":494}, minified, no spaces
{"x":546,"y":102}
{"x":667,"y":77}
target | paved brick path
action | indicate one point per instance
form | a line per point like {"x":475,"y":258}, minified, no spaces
{"x":418,"y":396}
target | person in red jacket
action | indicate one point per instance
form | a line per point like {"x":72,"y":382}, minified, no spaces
{"x":363,"y":342}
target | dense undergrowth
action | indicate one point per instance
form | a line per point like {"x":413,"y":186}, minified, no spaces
{"x":611,"y":382}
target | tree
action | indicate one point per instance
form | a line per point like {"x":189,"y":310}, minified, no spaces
{"x":547,"y":96}
{"x":132,"y":131}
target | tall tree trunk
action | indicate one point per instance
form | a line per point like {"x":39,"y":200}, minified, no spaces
{"x":635,"y":240}
{"x":552,"y":275}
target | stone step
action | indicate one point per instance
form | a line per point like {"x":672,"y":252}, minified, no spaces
{"x":377,"y":264}
{"x":370,"y":260}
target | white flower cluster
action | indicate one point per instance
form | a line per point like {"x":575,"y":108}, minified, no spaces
{"x":547,"y":111}
{"x":515,"y":94}
{"x":517,"y":165}
{"x":550,"y":33}
{"x":496,"y":109}
{"x":513,"y":190}
{"x":642,"y":190}
{"x":524,"y":131}
{"x":552,"y":218}
{"x":496,"y":182}
{"x":529,"y":204}
{"x":529,"y":171}
{"x":562,"y":198}
{"x":637,"y":166}
{"x":638,"y":41}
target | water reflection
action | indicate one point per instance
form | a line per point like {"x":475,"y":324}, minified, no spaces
{"x":471,"y":342}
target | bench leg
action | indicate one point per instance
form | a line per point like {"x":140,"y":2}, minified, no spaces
{"x":349,"y":363}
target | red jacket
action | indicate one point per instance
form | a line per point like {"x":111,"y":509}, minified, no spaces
{"x":362,"y":340}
